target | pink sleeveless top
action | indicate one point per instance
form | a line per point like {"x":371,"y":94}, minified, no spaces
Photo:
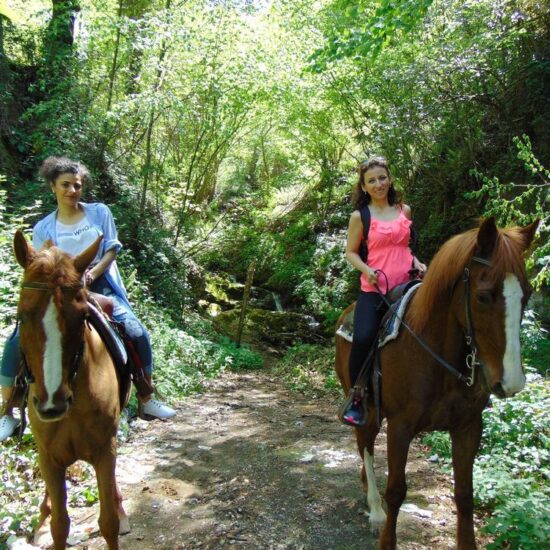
{"x":389,"y":251}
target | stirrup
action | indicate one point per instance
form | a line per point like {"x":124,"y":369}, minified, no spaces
{"x":356,"y":398}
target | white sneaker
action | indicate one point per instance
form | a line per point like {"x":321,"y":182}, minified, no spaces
{"x":8,"y":425}
{"x":157,"y":409}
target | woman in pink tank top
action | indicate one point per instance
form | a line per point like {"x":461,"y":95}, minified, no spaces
{"x":388,"y":252}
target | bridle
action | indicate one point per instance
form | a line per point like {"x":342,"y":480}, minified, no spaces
{"x":77,"y":359}
{"x":471,"y":359}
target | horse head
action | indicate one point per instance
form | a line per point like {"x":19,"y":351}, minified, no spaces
{"x":478,"y":279}
{"x":51,"y":312}
{"x":499,"y":291}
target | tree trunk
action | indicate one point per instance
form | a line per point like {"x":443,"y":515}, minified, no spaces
{"x":146,"y":170}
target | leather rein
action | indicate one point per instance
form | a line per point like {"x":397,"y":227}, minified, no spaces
{"x":471,"y":359}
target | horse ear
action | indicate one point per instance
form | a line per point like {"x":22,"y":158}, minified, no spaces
{"x":486,"y":238}
{"x":85,"y":258}
{"x":528,"y":233}
{"x":24,"y":252}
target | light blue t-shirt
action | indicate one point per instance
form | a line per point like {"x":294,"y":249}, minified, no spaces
{"x":101,"y":219}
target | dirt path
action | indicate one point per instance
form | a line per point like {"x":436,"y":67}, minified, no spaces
{"x":250,"y":464}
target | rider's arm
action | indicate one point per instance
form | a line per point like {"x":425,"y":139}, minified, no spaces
{"x":355,"y":234}
{"x":101,"y":266}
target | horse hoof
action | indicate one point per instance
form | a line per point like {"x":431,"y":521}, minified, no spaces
{"x":124,"y":526}
{"x":376,"y":523}
{"x":43,"y":535}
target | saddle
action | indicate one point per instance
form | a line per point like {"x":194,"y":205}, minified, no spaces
{"x":369,"y":378}
{"x":120,"y":347}
{"x":391,"y":323}
{"x":398,"y":298}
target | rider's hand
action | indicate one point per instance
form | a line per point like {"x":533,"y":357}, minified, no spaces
{"x":372,"y":276}
{"x":89,"y":277}
{"x":417,"y":264}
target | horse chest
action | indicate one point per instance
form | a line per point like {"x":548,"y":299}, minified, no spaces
{"x":455,"y":410}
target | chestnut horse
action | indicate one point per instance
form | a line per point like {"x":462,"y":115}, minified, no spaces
{"x":74,"y":403}
{"x":468,"y":311}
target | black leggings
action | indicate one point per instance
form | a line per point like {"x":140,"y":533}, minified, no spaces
{"x":369,"y":311}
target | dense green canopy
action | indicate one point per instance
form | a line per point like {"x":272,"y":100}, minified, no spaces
{"x":225,"y":133}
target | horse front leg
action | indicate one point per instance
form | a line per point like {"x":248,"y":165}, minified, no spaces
{"x":110,"y":500}
{"x":55,"y":500}
{"x":465,"y":446}
{"x":42,"y":532}
{"x":366,"y":436}
{"x":399,"y":439}
{"x":124,"y":527}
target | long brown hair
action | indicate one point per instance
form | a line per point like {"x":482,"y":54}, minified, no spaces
{"x":359,"y":198}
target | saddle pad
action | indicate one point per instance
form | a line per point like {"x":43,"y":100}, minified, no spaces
{"x":110,"y":337}
{"x":345,"y":330}
{"x":392,"y":321}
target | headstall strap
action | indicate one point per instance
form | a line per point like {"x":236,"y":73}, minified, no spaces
{"x":44,"y":286}
{"x":471,"y":359}
{"x":481,"y":260}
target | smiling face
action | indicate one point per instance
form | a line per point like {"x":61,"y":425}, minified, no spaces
{"x":376,"y":183}
{"x":68,"y":189}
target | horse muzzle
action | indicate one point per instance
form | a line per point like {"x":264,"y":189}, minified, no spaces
{"x":52,"y":411}
{"x":498,"y":391}
{"x":502,"y":392}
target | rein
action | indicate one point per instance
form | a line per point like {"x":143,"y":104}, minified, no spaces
{"x":471,"y":359}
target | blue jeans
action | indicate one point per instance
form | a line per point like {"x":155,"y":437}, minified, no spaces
{"x":122,"y":313}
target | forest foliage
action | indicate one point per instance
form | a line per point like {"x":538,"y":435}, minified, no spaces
{"x":226,"y":132}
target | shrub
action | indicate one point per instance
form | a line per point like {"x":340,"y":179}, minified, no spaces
{"x":309,"y":368}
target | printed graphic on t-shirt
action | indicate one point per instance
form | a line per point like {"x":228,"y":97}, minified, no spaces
{"x":77,"y":237}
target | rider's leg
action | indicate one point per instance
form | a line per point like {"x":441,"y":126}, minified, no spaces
{"x":142,"y":344}
{"x":8,"y":371}
{"x":367,"y":316}
{"x":137,"y":333}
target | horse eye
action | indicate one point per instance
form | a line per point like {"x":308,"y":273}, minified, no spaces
{"x":485,"y":298}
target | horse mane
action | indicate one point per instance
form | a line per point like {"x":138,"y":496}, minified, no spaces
{"x":53,"y":266}
{"x":448,"y":264}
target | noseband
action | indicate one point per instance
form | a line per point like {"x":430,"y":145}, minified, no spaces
{"x":77,"y":359}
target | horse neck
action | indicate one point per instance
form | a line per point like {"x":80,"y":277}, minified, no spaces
{"x":96,"y":358}
{"x":443,"y":334}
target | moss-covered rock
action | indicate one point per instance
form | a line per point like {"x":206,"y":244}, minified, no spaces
{"x":262,"y":326}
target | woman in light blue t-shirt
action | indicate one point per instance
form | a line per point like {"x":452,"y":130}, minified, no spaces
{"x":73,"y":226}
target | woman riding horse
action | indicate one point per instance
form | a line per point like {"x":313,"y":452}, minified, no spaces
{"x":459,"y":343}
{"x":73,"y":226}
{"x":388,"y":239}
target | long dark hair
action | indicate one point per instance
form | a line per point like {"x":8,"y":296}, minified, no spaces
{"x":359,"y":198}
